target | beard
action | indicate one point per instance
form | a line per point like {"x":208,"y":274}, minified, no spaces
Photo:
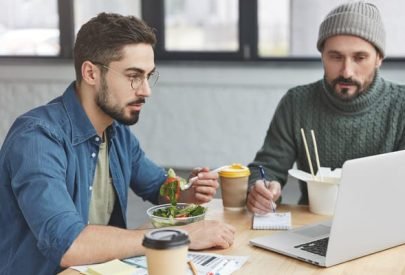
{"x":114,"y":111}
{"x":344,"y":93}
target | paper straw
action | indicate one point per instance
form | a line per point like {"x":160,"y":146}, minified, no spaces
{"x":316,"y":150}
{"x":307,"y":152}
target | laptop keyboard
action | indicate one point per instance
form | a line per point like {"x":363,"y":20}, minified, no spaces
{"x":317,"y":247}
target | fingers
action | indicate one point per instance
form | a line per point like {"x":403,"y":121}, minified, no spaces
{"x":200,"y":198}
{"x":203,"y":194}
{"x":260,"y":199}
{"x":206,"y":185}
{"x":275,"y":190}
{"x":256,"y":207}
{"x":195,"y":172}
{"x":204,"y":173}
{"x":226,"y":239}
{"x":209,"y":233}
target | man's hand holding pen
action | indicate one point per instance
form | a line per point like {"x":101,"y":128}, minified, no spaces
{"x":261,"y":200}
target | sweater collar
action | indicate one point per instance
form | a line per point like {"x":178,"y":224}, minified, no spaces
{"x":360,"y":103}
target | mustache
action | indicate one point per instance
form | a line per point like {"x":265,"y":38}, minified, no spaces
{"x":138,"y":101}
{"x":348,"y":81}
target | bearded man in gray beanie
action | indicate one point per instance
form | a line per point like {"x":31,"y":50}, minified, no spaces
{"x":353,"y":110}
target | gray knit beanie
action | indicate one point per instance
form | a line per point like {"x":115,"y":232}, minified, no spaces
{"x":357,"y":18}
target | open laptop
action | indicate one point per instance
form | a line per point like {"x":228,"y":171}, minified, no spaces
{"x":368,"y":215}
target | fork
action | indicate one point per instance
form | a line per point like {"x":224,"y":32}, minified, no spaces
{"x":193,"y":179}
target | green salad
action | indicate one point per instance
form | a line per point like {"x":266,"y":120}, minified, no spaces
{"x":177,"y":212}
{"x":171,"y":190}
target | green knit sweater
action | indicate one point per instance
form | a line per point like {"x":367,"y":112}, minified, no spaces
{"x":373,"y":123}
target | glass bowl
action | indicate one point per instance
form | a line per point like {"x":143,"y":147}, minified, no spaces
{"x":158,"y":222}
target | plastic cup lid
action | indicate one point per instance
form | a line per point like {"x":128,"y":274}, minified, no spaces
{"x":165,"y":238}
{"x":236,"y":170}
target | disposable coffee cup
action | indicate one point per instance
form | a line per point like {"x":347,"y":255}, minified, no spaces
{"x":234,"y":185}
{"x":166,"y":251}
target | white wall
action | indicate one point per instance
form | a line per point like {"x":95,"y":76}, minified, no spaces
{"x":198,"y":114}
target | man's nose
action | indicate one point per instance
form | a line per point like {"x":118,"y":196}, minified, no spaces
{"x":144,"y":89}
{"x":347,"y":69}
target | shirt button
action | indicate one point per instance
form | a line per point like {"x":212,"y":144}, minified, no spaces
{"x":97,"y":138}
{"x":90,"y":188}
{"x":93,"y":155}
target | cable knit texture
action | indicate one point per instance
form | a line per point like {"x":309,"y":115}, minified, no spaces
{"x":373,"y":123}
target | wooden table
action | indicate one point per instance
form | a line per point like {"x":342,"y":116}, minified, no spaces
{"x":391,"y":261}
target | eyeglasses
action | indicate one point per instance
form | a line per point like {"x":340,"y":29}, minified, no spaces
{"x":138,"y":79}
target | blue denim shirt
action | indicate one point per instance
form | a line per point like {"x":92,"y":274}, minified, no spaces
{"x":47,"y":165}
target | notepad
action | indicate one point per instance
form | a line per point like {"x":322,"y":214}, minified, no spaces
{"x":276,"y":221}
{"x":115,"y":267}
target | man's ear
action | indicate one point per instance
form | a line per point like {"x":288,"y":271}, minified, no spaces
{"x":378,"y":61}
{"x":90,"y":73}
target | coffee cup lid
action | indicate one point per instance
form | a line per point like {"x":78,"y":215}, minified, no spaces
{"x":236,"y":170}
{"x":165,"y":238}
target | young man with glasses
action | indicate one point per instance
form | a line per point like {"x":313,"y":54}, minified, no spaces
{"x":66,"y":167}
{"x":353,"y":110}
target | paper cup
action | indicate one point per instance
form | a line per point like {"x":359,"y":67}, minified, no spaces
{"x":166,"y":251}
{"x":234,"y":185}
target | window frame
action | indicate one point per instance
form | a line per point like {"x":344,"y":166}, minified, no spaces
{"x":153,"y":13}
{"x":66,"y":28}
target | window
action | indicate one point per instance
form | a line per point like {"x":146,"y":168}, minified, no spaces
{"x":238,"y":30}
{"x":266,"y":29}
{"x":208,"y":25}
{"x":86,"y":9}
{"x":196,"y":30}
{"x":289,"y":28}
{"x":26,"y":32}
{"x":274,"y":28}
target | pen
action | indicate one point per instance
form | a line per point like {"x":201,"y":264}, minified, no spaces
{"x":267,"y":184}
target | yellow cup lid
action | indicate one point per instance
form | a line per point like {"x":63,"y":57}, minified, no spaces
{"x":235,"y":170}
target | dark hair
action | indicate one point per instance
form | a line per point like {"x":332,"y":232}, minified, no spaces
{"x":102,"y":38}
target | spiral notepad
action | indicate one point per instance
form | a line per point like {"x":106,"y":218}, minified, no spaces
{"x":276,"y":221}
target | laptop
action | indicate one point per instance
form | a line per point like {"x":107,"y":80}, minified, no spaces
{"x":368,"y":216}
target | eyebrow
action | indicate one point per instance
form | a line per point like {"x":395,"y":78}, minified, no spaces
{"x":355,"y":53}
{"x":139,"y":70}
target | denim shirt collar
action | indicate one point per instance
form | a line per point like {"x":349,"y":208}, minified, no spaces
{"x":82,"y":128}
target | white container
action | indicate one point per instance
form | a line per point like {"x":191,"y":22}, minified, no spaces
{"x":322,"y":189}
